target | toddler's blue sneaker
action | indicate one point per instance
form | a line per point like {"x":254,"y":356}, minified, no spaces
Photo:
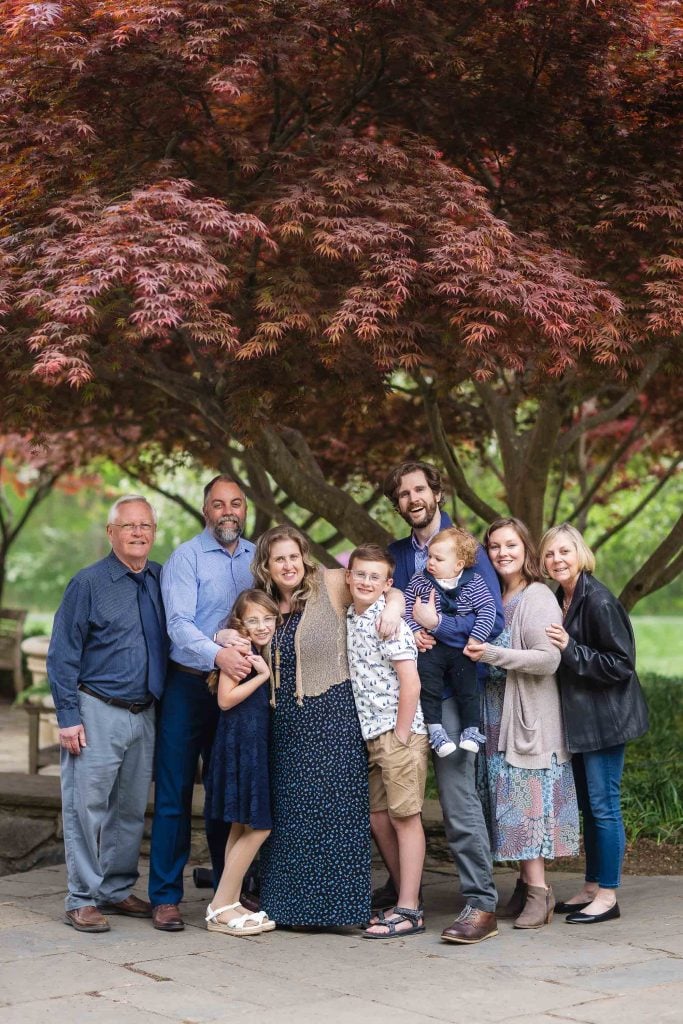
{"x":440,"y":741}
{"x":471,"y":739}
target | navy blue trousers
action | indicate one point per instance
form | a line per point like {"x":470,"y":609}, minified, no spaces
{"x":186,"y":727}
{"x":439,"y":667}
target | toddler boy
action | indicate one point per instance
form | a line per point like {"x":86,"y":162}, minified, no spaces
{"x":449,"y":586}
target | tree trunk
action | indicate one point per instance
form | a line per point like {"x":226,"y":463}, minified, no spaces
{"x":663,"y":566}
{"x":310,"y":491}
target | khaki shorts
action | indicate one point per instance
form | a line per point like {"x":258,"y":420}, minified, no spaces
{"x":398,"y":773}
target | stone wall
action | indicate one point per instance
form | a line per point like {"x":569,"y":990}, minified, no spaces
{"x":31,"y":823}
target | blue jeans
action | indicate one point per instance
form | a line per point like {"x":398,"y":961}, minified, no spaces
{"x":597,"y":775}
{"x":186,"y":726}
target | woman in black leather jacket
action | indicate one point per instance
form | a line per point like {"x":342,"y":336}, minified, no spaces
{"x":603,"y":707}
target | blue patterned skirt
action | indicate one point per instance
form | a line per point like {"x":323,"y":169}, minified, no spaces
{"x":530,"y":812}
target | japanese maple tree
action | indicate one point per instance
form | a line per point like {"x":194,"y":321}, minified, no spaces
{"x":282,"y":226}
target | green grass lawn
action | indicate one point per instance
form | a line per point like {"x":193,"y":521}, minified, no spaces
{"x":659,"y":644}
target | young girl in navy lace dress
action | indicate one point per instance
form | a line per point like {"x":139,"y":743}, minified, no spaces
{"x":237,"y":785}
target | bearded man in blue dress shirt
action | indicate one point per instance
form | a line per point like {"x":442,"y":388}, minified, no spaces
{"x":200,"y":582}
{"x":106,"y":665}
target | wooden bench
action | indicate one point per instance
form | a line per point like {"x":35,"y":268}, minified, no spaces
{"x":11,"y":631}
{"x":39,"y":757}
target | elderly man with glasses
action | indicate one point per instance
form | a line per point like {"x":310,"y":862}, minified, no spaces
{"x":106,"y":665}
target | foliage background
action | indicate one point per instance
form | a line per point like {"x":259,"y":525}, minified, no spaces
{"x":66,"y":532}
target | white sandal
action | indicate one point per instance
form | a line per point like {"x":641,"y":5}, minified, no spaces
{"x":238,"y":926}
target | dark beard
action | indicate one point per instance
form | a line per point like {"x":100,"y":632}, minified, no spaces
{"x":226,"y":532}
{"x":426,"y":516}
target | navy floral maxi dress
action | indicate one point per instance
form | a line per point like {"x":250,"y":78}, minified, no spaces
{"x":315,"y":866}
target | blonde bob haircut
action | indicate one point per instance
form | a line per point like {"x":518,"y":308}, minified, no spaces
{"x":585,"y":555}
{"x":259,"y":566}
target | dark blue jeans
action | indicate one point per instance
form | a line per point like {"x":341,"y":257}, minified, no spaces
{"x":597,"y":775}
{"x":186,"y":727}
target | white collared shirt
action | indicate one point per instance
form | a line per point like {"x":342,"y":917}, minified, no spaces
{"x":373,"y":677}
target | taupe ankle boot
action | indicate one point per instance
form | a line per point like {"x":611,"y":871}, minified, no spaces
{"x":515,"y":905}
{"x":538,"y":909}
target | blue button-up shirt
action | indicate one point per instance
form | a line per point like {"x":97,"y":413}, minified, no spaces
{"x":97,"y":637}
{"x":422,"y":550}
{"x":199,"y":583}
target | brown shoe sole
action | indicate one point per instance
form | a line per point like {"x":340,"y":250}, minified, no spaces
{"x":172,"y":926}
{"x":87,"y":927}
{"x":467,"y":942}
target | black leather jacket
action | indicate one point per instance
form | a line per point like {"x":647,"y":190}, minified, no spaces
{"x":602,"y":701}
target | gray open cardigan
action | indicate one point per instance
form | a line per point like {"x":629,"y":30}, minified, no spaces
{"x":531,"y":729}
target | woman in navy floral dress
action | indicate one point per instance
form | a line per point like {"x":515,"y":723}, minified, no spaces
{"x":315,"y":867}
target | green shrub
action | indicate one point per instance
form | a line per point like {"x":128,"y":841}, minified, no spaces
{"x":652,"y":792}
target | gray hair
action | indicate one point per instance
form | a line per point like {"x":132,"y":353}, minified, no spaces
{"x":126,"y":499}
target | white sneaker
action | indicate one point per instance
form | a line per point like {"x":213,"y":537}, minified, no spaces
{"x":441,"y":743}
{"x":470,"y":745}
{"x":470,"y":739}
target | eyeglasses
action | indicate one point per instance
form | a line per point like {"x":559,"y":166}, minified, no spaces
{"x":367,"y":577}
{"x":131,"y":527}
{"x":267,"y":620}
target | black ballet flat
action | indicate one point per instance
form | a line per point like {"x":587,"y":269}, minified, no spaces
{"x":608,"y":915}
{"x":569,"y":908}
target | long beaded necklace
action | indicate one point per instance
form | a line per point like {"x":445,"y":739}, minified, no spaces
{"x":278,"y":640}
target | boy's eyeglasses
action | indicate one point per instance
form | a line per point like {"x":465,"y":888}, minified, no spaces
{"x":367,"y":577}
{"x":267,"y":620}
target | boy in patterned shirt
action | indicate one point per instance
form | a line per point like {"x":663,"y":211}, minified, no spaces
{"x":386,"y":688}
{"x":450,"y":587}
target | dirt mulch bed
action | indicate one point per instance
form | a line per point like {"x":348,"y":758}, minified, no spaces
{"x":644,"y":857}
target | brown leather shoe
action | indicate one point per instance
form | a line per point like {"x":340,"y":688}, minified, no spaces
{"x":132,"y":906}
{"x":471,"y":925}
{"x":166,"y":917}
{"x":87,"y":919}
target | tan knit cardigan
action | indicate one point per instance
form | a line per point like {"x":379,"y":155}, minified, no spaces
{"x":531,"y":729}
{"x":320,"y":639}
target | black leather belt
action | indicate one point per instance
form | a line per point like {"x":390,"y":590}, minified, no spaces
{"x":135,"y":707}
{"x":187,"y":669}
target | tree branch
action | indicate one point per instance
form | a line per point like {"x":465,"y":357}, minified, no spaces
{"x":164,"y":492}
{"x":445,"y":452}
{"x":653,"y":492}
{"x":663,"y":566}
{"x":606,"y":470}
{"x":568,"y":439}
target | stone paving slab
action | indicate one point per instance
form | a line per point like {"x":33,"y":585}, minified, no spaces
{"x":618,"y":973}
